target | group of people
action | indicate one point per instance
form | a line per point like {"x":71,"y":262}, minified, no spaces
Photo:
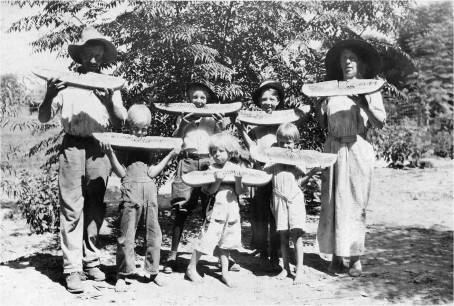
{"x":277,"y":207}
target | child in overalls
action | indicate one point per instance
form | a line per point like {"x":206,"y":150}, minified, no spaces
{"x":222,"y":226}
{"x":139,"y":195}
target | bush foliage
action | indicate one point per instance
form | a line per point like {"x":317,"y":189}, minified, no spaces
{"x":232,"y":46}
{"x":40,"y":203}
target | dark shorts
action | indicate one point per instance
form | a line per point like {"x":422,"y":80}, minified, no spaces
{"x":183,"y":195}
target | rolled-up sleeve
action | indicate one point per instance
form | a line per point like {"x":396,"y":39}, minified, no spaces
{"x":56,"y":105}
{"x":118,"y":105}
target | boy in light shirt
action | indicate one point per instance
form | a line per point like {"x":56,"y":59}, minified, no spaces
{"x":195,"y":132}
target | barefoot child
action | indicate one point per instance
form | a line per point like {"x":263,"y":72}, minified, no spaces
{"x":139,"y":196}
{"x":288,"y":204}
{"x":268,"y":96}
{"x":195,"y":132}
{"x":222,"y":225}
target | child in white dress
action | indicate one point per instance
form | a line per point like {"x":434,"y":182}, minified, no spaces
{"x":222,"y":225}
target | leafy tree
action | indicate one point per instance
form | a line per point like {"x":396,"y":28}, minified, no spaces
{"x":428,"y":38}
{"x":13,"y":97}
{"x":231,"y":45}
{"x":423,"y":125}
{"x":432,"y":47}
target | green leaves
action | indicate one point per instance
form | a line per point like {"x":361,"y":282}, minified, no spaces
{"x":39,"y":203}
{"x":167,"y":43}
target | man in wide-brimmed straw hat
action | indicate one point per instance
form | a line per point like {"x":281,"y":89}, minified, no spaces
{"x":84,"y":169}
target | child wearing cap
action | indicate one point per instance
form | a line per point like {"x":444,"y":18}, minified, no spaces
{"x":139,"y":196}
{"x":195,"y":132}
{"x":268,"y":96}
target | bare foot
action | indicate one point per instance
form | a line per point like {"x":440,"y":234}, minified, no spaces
{"x":158,"y":279}
{"x":228,"y":280}
{"x":357,"y":265}
{"x":284,"y":273}
{"x":234,"y":267}
{"x":356,"y":269}
{"x":194,"y":276}
{"x":120,"y":285}
{"x":299,"y":277}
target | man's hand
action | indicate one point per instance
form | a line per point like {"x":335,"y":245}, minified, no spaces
{"x":54,"y":85}
{"x":105,"y":96}
{"x":360,"y":100}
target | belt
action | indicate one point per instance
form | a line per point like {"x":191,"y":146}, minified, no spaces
{"x":195,"y":156}
{"x":347,"y":139}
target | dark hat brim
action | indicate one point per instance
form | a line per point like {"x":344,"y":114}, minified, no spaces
{"x":110,"y":52}
{"x":267,"y":85}
{"x":214,"y":97}
{"x":365,"y":51}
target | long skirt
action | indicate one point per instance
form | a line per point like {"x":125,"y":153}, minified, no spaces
{"x":345,"y":194}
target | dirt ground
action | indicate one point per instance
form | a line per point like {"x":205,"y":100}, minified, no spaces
{"x":409,"y":257}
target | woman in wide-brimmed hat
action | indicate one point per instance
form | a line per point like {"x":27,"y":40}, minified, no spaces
{"x":346,"y":185}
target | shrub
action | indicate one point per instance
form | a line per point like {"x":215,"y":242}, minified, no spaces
{"x":312,"y":194}
{"x":442,"y":143}
{"x":441,"y":135}
{"x":40,"y":203}
{"x":400,"y":143}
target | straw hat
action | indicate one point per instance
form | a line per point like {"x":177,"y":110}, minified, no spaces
{"x":90,"y":33}
{"x":267,"y":84}
{"x":365,"y":51}
{"x":213,"y":96}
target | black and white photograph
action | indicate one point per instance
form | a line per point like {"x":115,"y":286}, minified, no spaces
{"x":226,"y":152}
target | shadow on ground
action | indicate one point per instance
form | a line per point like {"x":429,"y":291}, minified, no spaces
{"x":407,"y":264}
{"x":401,"y":265}
{"x":47,"y":264}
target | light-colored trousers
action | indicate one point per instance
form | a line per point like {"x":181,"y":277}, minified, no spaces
{"x":82,"y":182}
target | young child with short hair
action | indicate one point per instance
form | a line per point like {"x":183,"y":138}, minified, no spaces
{"x":288,"y":205}
{"x":139,"y":196}
{"x":194,"y":131}
{"x":222,"y":226}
